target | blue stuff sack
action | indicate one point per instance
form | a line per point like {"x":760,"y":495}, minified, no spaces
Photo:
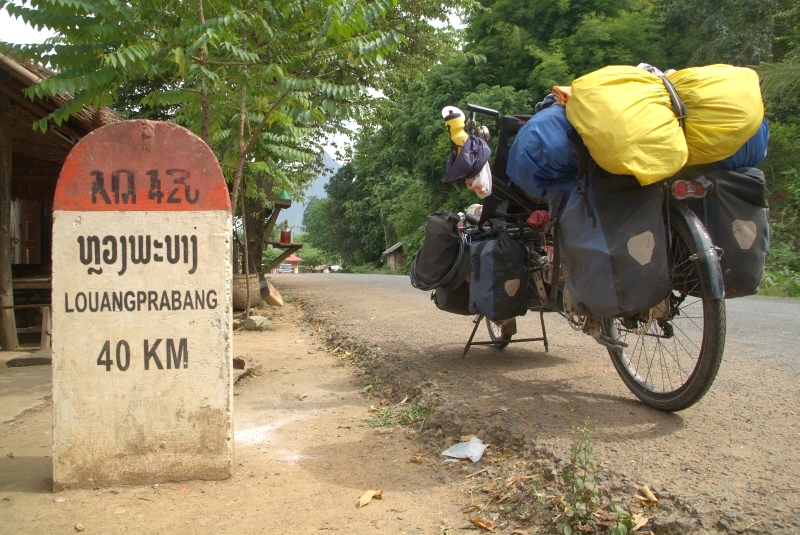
{"x":612,"y":244}
{"x":498,"y":280}
{"x":469,"y":161}
{"x":542,"y":152}
{"x":751,"y":154}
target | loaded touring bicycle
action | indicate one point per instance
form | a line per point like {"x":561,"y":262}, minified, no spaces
{"x":632,"y":266}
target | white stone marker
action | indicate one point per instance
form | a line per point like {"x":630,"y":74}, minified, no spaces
{"x":142,"y":324}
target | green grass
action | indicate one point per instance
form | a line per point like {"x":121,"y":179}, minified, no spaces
{"x":401,"y":414}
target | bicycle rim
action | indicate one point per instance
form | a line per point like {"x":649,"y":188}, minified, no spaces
{"x":674,"y":350}
{"x":499,"y":338}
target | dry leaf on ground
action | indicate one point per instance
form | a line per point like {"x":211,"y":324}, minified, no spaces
{"x":640,"y":521}
{"x":649,"y":498}
{"x":368,"y":496}
{"x":482,"y":523}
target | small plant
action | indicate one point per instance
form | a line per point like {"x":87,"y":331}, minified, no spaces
{"x":370,"y":383}
{"x":400,"y":414}
{"x":583,"y":493}
{"x":583,"y":507}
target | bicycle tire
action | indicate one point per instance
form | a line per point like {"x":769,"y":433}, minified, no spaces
{"x":670,"y":363}
{"x":498,"y":333}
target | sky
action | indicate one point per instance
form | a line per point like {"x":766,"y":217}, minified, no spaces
{"x":12,"y":30}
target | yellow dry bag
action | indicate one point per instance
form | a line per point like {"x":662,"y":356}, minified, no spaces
{"x":625,"y":117}
{"x":723,"y":106}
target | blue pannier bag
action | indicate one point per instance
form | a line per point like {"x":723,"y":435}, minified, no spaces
{"x":736,"y":215}
{"x":498,"y":278}
{"x":612,"y":244}
{"x":542,"y":152}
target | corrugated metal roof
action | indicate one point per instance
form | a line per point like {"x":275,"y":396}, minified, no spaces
{"x":393,"y":248}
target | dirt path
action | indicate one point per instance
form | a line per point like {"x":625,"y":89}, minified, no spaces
{"x":726,"y":465}
{"x":304,"y":454}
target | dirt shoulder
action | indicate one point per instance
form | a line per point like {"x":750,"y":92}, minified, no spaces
{"x":304,"y":455}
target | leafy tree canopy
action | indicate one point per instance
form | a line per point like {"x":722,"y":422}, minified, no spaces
{"x":262,"y":82}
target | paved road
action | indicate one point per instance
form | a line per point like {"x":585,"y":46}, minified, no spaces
{"x":731,"y":459}
{"x":769,"y":327}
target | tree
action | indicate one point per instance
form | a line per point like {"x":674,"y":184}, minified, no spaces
{"x":625,"y":38}
{"x":257,"y":80}
{"x":262,"y":82}
{"x":535,"y":44}
{"x":324,"y":222}
{"x":701,"y":32}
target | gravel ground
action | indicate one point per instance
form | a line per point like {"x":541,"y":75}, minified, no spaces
{"x":726,"y":465}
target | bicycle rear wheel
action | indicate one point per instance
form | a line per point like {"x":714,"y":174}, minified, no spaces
{"x":674,"y":350}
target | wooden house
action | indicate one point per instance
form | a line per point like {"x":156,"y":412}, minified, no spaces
{"x":30,"y":162}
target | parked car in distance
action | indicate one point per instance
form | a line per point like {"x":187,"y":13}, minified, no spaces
{"x":285,"y":268}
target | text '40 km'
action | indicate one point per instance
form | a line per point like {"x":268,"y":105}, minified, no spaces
{"x":175,"y":354}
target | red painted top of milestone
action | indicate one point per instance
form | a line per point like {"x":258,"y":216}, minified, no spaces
{"x":141,"y":166}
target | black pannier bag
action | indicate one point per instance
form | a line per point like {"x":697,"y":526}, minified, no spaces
{"x":443,"y":259}
{"x":736,"y":214}
{"x":454,"y":299}
{"x":612,"y":244}
{"x":498,"y":278}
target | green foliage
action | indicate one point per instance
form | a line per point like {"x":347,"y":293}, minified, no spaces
{"x":394,"y":179}
{"x":782,"y":168}
{"x":400,"y":414}
{"x":270,"y":254}
{"x":551,"y":65}
{"x":345,"y":224}
{"x":782,"y":275}
{"x":701,"y":32}
{"x":584,"y":493}
{"x":624,"y":38}
{"x":780,"y":85}
{"x":312,"y":256}
{"x":585,"y":497}
{"x":535,"y":44}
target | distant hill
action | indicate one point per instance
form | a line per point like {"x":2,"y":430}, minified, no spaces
{"x":317,"y":189}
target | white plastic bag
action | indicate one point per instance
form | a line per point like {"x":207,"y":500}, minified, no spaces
{"x":482,"y":183}
{"x":472,"y":450}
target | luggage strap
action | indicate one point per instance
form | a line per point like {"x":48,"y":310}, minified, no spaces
{"x":678,"y":107}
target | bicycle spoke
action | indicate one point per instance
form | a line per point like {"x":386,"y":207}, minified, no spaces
{"x":672,"y":363}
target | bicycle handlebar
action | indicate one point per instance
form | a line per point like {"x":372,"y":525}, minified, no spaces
{"x":485,"y":111}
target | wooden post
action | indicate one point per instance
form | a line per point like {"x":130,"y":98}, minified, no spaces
{"x":47,"y":328}
{"x":8,"y":324}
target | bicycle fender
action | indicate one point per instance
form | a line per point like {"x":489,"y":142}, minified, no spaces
{"x":705,"y":247}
